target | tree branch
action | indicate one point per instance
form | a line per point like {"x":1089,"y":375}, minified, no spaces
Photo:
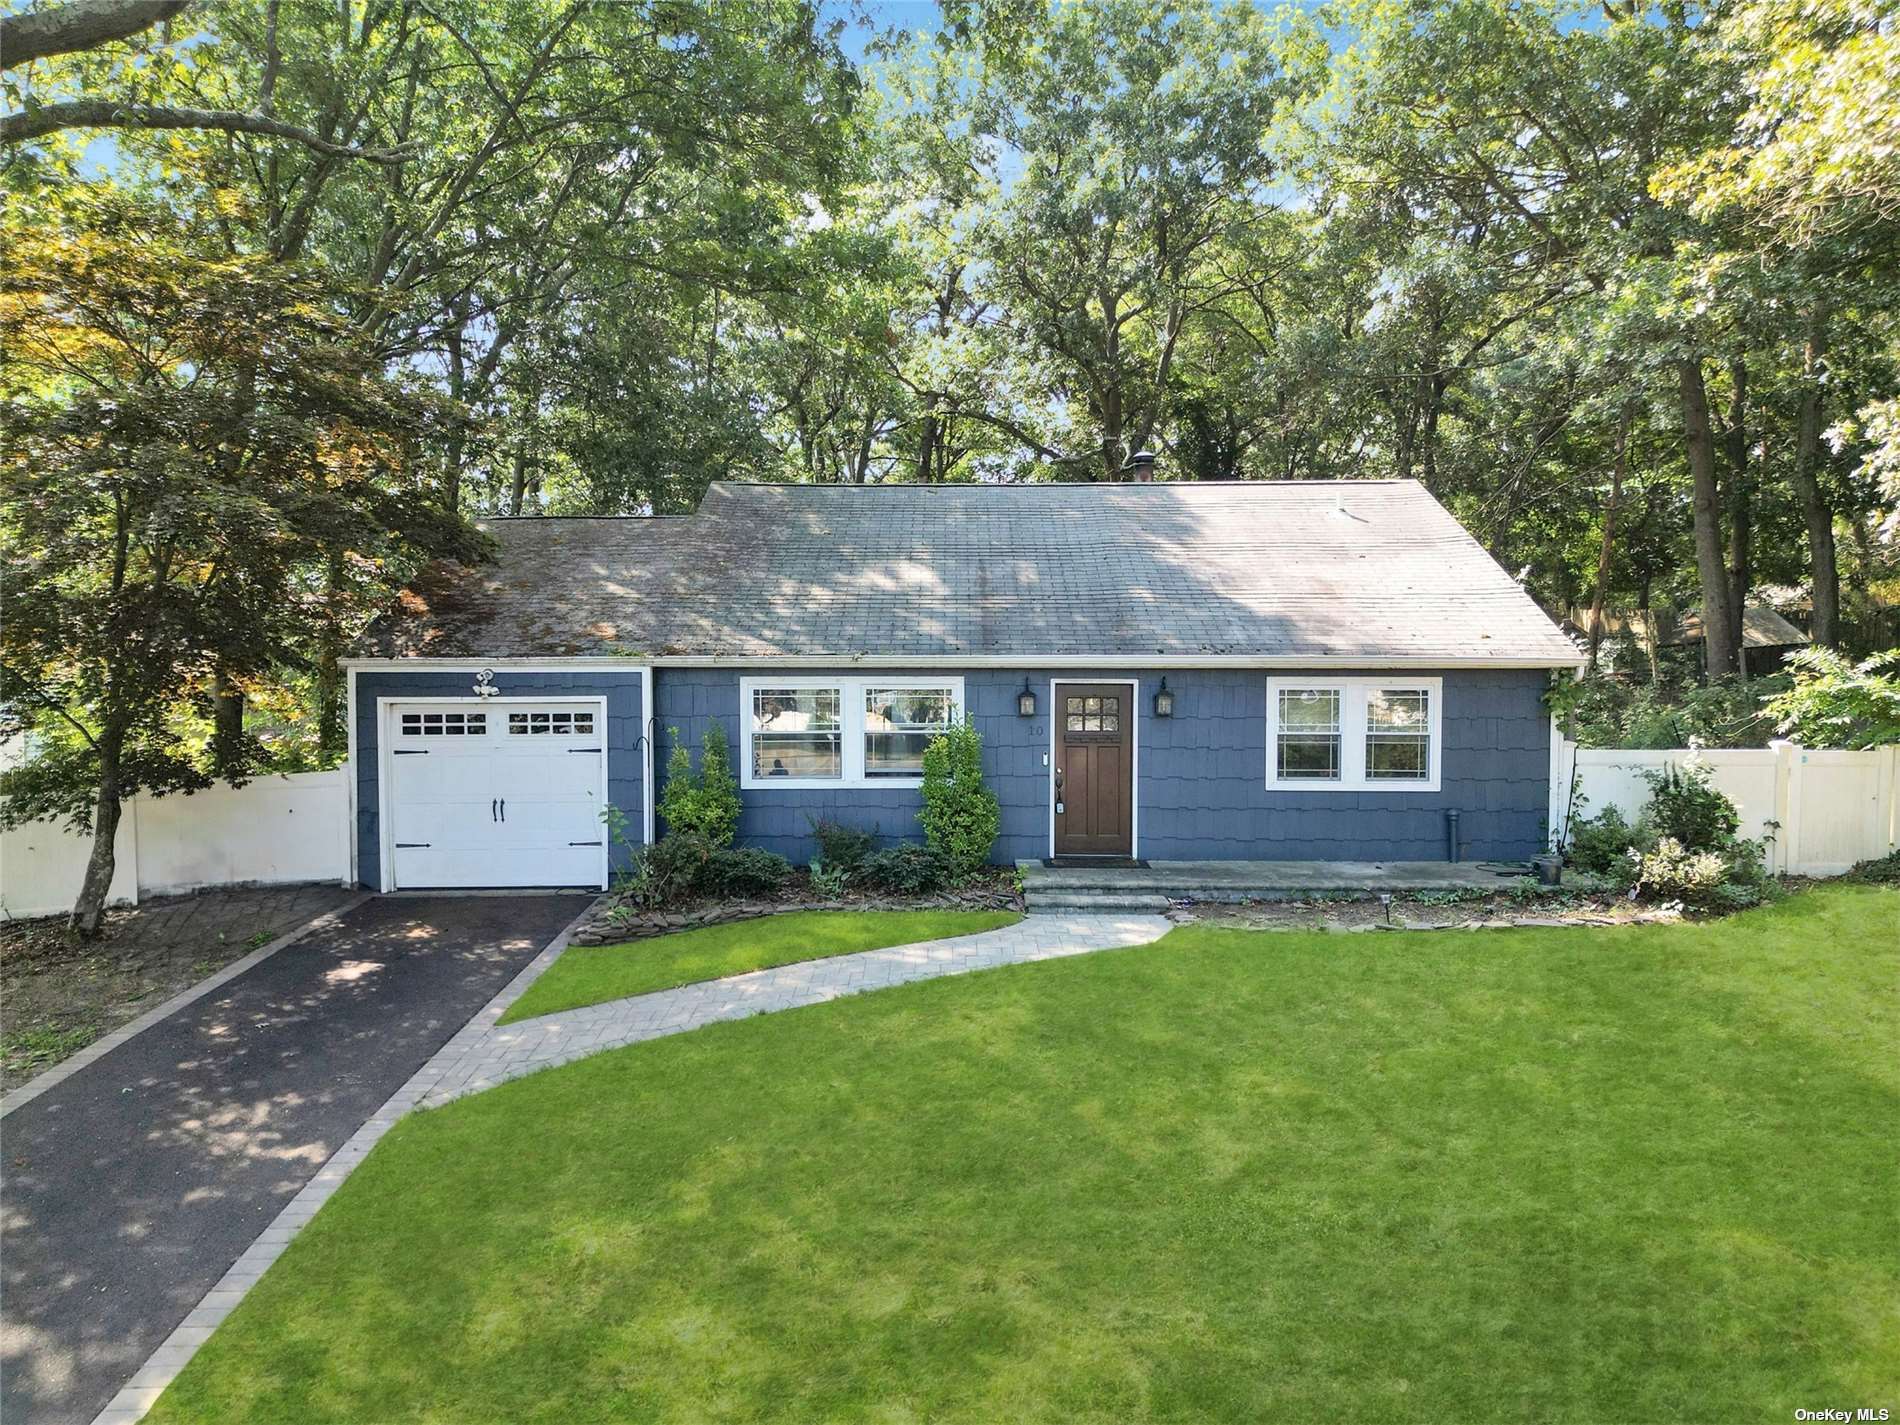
{"x":81,"y":25}
{"x":100,"y":114}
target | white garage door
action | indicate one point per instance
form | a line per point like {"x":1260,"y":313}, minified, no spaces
{"x":496,"y":793}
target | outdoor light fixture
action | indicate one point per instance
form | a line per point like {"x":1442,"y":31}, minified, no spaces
{"x":1164,"y":701}
{"x":1026,"y":701}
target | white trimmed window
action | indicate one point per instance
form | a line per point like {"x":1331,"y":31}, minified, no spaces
{"x":841,"y":732}
{"x":1354,"y":734}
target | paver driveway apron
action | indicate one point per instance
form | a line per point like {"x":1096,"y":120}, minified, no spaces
{"x":131,"y":1186}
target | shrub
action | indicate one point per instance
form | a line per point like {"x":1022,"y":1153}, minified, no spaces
{"x":1684,"y":808}
{"x":671,"y":869}
{"x":679,"y":791}
{"x":1600,"y":844}
{"x":1884,"y":871}
{"x":909,"y":869}
{"x":749,"y":871}
{"x":705,"y":804}
{"x":1834,"y":703}
{"x":1674,"y":872}
{"x":828,"y":880}
{"x":842,"y":848}
{"x":960,"y":814}
{"x":718,"y":788}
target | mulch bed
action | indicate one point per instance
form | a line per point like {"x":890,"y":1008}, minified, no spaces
{"x":617,"y":920}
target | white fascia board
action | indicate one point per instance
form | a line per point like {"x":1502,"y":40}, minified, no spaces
{"x":1067,"y":661}
{"x":500,"y":665}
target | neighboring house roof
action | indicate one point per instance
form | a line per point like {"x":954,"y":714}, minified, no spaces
{"x":1370,"y":569}
{"x":1762,"y":627}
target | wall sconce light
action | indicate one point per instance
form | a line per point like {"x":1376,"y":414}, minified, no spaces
{"x":1026,"y":701}
{"x":1164,"y":701}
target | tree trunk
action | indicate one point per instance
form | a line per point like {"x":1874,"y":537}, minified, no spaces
{"x":332,"y":695}
{"x":1648,"y":617}
{"x":227,"y":724}
{"x":89,"y":911}
{"x":1825,"y":574}
{"x":520,"y":485}
{"x":458,"y":387}
{"x":1699,"y":443}
{"x":1740,"y":507}
{"x":1608,"y":547}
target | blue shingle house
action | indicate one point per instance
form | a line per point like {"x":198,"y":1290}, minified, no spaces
{"x":1260,"y":671}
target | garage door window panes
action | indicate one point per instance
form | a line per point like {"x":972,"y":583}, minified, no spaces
{"x":797,"y":732}
{"x":551,"y":724}
{"x":898,"y":725}
{"x":444,"y":724}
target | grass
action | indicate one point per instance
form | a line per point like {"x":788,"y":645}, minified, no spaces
{"x":43,"y":1045}
{"x":593,"y":974}
{"x":1558,"y":1175}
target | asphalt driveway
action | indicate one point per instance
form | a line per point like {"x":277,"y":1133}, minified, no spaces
{"x":130,"y":1187}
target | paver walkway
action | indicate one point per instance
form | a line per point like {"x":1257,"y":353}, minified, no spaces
{"x":483,"y":1055}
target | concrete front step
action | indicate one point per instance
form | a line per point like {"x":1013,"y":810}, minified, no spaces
{"x":1078,"y":887}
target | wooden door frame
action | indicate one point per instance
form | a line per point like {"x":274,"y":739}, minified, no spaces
{"x":1134,"y":758}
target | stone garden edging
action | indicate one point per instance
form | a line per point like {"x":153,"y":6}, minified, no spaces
{"x":614,"y":924}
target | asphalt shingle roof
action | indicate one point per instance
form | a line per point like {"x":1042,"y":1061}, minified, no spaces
{"x":1370,"y":569}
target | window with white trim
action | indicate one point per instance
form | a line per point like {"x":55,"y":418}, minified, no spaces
{"x":841,"y":732}
{"x":1354,"y":734}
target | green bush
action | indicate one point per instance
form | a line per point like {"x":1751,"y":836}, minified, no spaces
{"x":1674,"y":872}
{"x":1834,"y":703}
{"x":828,"y":880}
{"x":706,"y":803}
{"x":1884,"y":871}
{"x":748,"y":871}
{"x":960,"y":815}
{"x":909,"y":869}
{"x":671,"y":869}
{"x":842,"y":848}
{"x":1684,"y":808}
{"x":1600,"y":844}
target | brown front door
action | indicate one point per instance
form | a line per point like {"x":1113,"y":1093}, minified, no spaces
{"x":1095,"y":769}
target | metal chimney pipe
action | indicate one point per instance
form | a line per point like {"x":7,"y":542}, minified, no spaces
{"x":1142,"y":465}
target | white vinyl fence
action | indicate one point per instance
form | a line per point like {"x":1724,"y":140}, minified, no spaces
{"x":1825,"y":811}
{"x":271,"y":831}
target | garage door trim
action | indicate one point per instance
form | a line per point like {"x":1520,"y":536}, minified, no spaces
{"x":385,"y":755}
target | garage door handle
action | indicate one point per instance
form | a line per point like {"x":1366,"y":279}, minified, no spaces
{"x":409,"y":845}
{"x":583,"y":843}
{"x":504,"y":808}
{"x":412,"y":752}
{"x":491,"y":810}
{"x":583,"y":749}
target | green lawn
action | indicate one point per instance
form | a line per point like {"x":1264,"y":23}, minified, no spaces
{"x":588,"y":974}
{"x":1590,"y":1176}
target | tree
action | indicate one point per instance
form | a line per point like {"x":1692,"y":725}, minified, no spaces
{"x":190,"y":438}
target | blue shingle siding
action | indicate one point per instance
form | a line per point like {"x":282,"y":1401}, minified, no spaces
{"x":1202,"y":792}
{"x":624,"y":730}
